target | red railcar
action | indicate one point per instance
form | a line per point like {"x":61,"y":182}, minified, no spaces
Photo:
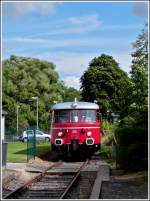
{"x":75,"y":128}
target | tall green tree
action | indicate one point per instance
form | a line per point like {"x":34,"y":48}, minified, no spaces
{"x":71,"y":93}
{"x":132,"y":132}
{"x":139,"y":68}
{"x":105,"y":82}
{"x":24,"y":78}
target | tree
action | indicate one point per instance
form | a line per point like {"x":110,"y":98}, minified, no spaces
{"x":139,"y":68}
{"x":24,"y":78}
{"x":105,"y":82}
{"x":132,"y":132}
{"x":71,"y":94}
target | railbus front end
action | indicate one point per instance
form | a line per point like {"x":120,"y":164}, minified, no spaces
{"x":75,"y":128}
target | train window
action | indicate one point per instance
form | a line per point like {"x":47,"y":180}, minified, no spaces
{"x":61,"y":116}
{"x":74,"y":117}
{"x":88,"y":115}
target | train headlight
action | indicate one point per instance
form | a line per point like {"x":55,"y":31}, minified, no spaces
{"x":89,"y":133}
{"x":60,"y":134}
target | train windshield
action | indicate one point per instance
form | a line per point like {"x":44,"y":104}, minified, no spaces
{"x":62,"y":116}
{"x":74,"y":116}
{"x":88,"y":115}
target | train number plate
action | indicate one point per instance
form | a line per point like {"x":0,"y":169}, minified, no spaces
{"x":74,"y":131}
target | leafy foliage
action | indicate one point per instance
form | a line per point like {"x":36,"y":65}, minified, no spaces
{"x":132,"y":133}
{"x":105,"y":82}
{"x":108,"y":132}
{"x":132,"y":139}
{"x":24,"y":78}
{"x":71,"y":94}
{"x":139,"y":72}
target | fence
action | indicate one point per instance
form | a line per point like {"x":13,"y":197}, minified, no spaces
{"x":11,"y":138}
{"x":10,"y":131}
{"x":11,"y":135}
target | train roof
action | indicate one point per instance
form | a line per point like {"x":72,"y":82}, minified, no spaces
{"x":75,"y":105}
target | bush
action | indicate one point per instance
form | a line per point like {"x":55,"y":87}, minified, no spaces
{"x":109,"y":128}
{"x":105,"y":151}
{"x":132,"y":136}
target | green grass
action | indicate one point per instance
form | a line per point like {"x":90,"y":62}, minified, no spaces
{"x":17,"y":152}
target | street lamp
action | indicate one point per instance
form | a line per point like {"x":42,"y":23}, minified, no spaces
{"x":37,"y":102}
{"x":17,"y":110}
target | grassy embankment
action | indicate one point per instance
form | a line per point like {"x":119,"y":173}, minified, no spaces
{"x":17,"y":152}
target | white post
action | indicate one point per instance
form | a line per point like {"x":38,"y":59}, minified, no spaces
{"x":2,"y":126}
{"x":17,"y":118}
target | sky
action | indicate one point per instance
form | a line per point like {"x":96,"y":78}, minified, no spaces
{"x":71,"y":34}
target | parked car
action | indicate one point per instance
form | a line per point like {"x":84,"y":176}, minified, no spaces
{"x":39,"y":135}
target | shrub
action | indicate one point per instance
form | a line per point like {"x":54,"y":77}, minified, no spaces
{"x":132,"y":149}
{"x":109,"y":128}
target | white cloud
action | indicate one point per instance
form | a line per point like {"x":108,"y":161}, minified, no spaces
{"x":72,"y":30}
{"x":67,"y":63}
{"x":72,"y":81}
{"x":84,"y":20}
{"x":73,"y":25}
{"x":88,"y":42}
{"x":74,"y":64}
{"x":22,"y":8}
{"x":120,"y":27}
{"x":82,"y":25}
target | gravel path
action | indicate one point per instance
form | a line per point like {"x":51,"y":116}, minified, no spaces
{"x":11,"y":180}
{"x":124,"y":187}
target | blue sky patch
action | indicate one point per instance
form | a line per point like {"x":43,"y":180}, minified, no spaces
{"x":71,"y":34}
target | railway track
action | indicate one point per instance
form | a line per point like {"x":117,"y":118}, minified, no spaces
{"x":48,"y":185}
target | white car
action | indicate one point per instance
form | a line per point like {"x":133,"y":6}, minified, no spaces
{"x":39,"y":135}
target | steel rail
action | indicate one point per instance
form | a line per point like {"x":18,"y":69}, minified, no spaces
{"x":24,"y":186}
{"x":73,"y":180}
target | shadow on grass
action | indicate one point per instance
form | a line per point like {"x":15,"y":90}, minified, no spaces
{"x":38,"y":150}
{"x":50,"y":156}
